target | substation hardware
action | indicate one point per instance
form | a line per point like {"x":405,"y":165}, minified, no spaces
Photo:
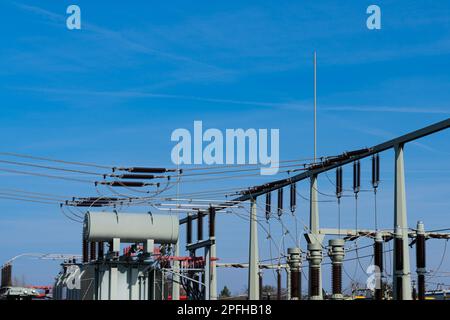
{"x":136,"y":274}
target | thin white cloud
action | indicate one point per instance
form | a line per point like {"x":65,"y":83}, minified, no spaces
{"x":385,"y":109}
{"x":291,"y":105}
{"x":121,"y":40}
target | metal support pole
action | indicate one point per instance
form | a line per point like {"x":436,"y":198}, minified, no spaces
{"x":402,"y":278}
{"x":207,"y":274}
{"x":201,"y":277}
{"x":212,"y":269}
{"x":200,"y":227}
{"x":378,"y":259}
{"x":288,"y":284}
{"x":253,"y":268}
{"x":336,"y":254}
{"x":113,"y":282}
{"x":294,"y":262}
{"x":175,"y":275}
{"x":315,"y":106}
{"x":421,"y":259}
{"x":189,"y":229}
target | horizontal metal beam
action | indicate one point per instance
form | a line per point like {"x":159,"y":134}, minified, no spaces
{"x":200,"y":244}
{"x":439,"y":126}
{"x":245,"y":265}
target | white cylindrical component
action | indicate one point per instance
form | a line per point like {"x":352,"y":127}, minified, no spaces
{"x":130,"y":227}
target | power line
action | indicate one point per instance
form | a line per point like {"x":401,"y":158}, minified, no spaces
{"x":45,"y":175}
{"x":28,"y":200}
{"x":50,"y":167}
{"x":55,"y":160}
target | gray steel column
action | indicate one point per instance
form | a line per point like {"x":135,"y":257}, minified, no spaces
{"x":313,"y":207}
{"x":213,"y":275}
{"x":253,"y":267}
{"x":175,"y":275}
{"x":207,"y":273}
{"x":401,"y":224}
{"x":288,"y":284}
{"x":213,"y":268}
{"x":113,"y":285}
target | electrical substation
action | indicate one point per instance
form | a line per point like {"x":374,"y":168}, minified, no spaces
{"x":139,"y":256}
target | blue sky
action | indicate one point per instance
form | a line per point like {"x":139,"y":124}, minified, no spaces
{"x":113,"y":92}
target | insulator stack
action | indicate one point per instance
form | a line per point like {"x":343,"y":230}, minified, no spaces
{"x":189,"y":229}
{"x":315,"y":259}
{"x":356,"y":176}
{"x":93,"y":251}
{"x":199,"y":226}
{"x":101,"y":250}
{"x":294,"y":263}
{"x":260,"y":276}
{"x":278,"y":284}
{"x":6,"y":276}
{"x":336,"y":254}
{"x":314,"y":281}
{"x":378,"y":259}
{"x":85,"y":251}
{"x":295,"y":285}
{"x":135,"y":176}
{"x":9,"y":281}
{"x":398,"y":248}
{"x":123,"y":183}
{"x":212,"y":222}
{"x":421,"y":259}
{"x":293,"y":197}
{"x":375,"y":171}
{"x":145,"y":170}
{"x":268,"y":205}
{"x":280,"y":202}
{"x":336,"y":273}
{"x":339,"y":182}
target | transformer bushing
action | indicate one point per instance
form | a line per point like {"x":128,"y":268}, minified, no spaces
{"x":336,"y":254}
{"x":85,"y":251}
{"x":378,"y":258}
{"x":398,"y":246}
{"x":420,"y":257}
{"x":315,"y":259}
{"x":295,"y":262}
